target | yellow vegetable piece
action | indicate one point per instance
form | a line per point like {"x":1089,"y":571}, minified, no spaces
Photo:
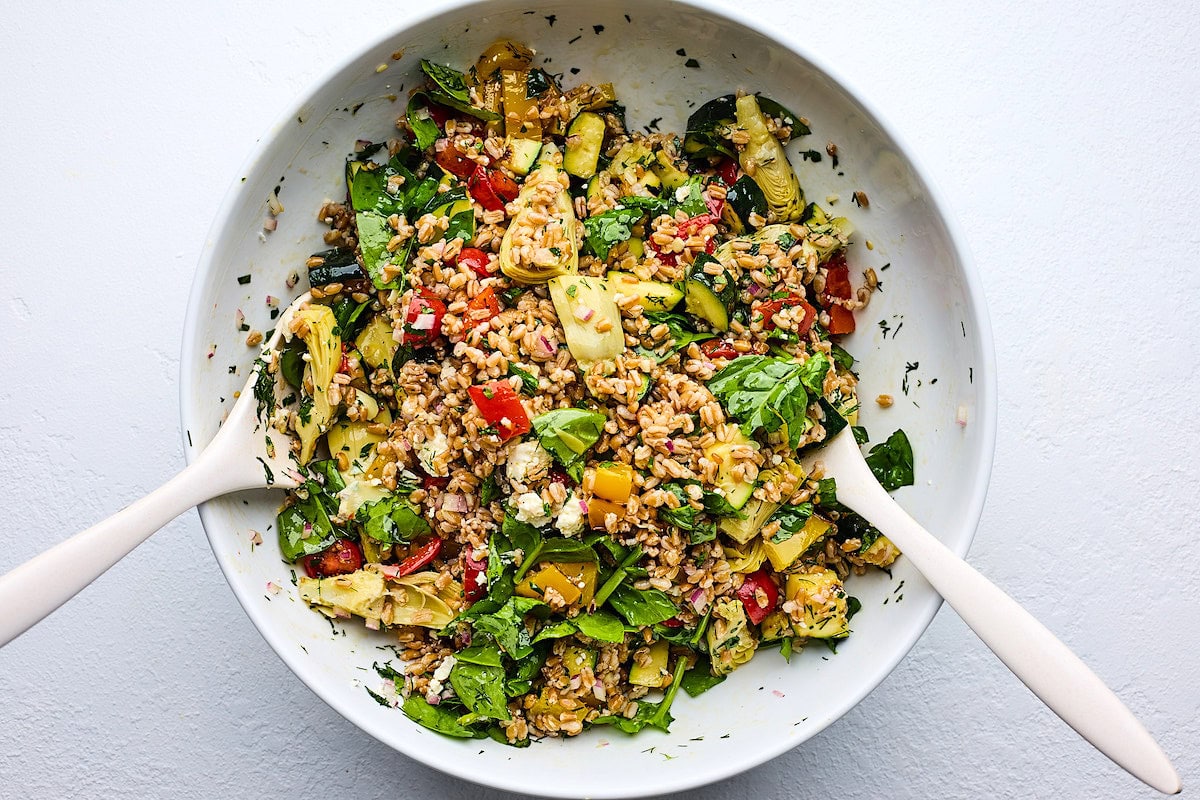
{"x":824,"y":602}
{"x":583,"y":575}
{"x":576,"y":658}
{"x":549,"y":577}
{"x":376,"y":343}
{"x":881,"y":553}
{"x":731,"y":641}
{"x":504,"y":54}
{"x":654,"y":673}
{"x":521,"y":120}
{"x":613,"y":482}
{"x":599,"y":508}
{"x":586,"y":305}
{"x":783,"y":554}
{"x":325,"y":352}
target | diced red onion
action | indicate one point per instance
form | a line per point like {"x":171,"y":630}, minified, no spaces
{"x":753,"y":289}
{"x":456,"y":502}
{"x":372,"y":624}
{"x":270,"y":224}
{"x":440,"y":145}
{"x":432,"y":699}
{"x":583,"y":506}
{"x":961,"y":416}
{"x":583,"y":313}
{"x":698,"y":601}
{"x":465,"y":637}
{"x":670,"y":446}
{"x":546,"y":344}
{"x":424,"y":322}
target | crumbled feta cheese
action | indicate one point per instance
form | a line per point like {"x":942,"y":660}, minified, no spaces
{"x":531,"y":509}
{"x":431,"y":450}
{"x":437,"y":681}
{"x":527,"y":462}
{"x":681,"y":194}
{"x":570,"y":519}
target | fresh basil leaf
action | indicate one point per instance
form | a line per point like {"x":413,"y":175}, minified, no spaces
{"x":350,"y":317}
{"x":485,"y":655}
{"x":437,"y":718}
{"x":642,"y":607}
{"x":330,"y":477}
{"x":529,"y":384}
{"x":568,"y":433}
{"x":603,"y":231}
{"x":813,"y":372}
{"x":520,"y":681}
{"x":827,"y":493}
{"x":853,"y":606}
{"x":448,"y":79}
{"x":374,"y":233}
{"x":461,"y":226}
{"x":651,"y":206}
{"x":481,"y":689}
{"x":392,"y":520}
{"x":699,"y":679}
{"x":521,"y":535}
{"x":833,"y":420}
{"x":424,"y":129}
{"x":892,"y":462}
{"x":693,"y":204}
{"x":718,"y":506}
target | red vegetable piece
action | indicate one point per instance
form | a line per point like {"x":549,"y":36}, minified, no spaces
{"x":715,"y":204}
{"x":759,"y":595}
{"x":482,"y":307}
{"x":421,"y":555}
{"x":473,"y":588}
{"x":689,"y":226}
{"x":340,"y":558}
{"x":673,"y":622}
{"x":434,"y":482}
{"x":423,"y":322}
{"x":455,"y":162}
{"x":481,"y":189}
{"x":718,"y":348}
{"x":727,"y":171}
{"x":503,"y":185}
{"x":841,"y":320}
{"x":439,"y":114}
{"x":476,"y":260}
{"x":770,"y":308}
{"x":501,"y":408}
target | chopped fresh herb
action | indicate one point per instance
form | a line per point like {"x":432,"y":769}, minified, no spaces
{"x":243,"y":279}
{"x":529,"y":384}
{"x":488,"y":490}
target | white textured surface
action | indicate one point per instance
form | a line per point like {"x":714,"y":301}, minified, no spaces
{"x":1067,"y":143}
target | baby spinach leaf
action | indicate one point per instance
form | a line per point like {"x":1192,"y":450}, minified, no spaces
{"x":680,"y":328}
{"x":791,"y":521}
{"x":437,"y":718}
{"x":642,"y":606}
{"x":568,"y":433}
{"x":507,"y":626}
{"x":481,"y":689}
{"x":764,"y":394}
{"x":424,"y":129}
{"x":448,"y":79}
{"x":602,"y":626}
{"x":699,"y":679}
{"x":892,"y":462}
{"x":304,"y":526}
{"x":392,"y":520}
{"x":489,"y":490}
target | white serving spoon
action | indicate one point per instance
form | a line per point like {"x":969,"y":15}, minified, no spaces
{"x":238,"y":458}
{"x":1041,"y":661}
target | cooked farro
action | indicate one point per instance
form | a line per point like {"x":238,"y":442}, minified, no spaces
{"x":550,"y":397}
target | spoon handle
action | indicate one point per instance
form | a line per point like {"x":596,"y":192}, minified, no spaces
{"x":33,"y":590}
{"x":1028,"y":648}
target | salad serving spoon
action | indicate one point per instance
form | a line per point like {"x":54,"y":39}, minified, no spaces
{"x":242,"y":456}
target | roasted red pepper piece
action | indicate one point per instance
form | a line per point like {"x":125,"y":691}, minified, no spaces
{"x":759,"y":595}
{"x":501,"y":408}
{"x":482,"y":307}
{"x":473,"y":588}
{"x":476,"y":260}
{"x":769,"y":308}
{"x":480,"y":187}
{"x":718,"y":348}
{"x":420,"y":556}
{"x":837,"y":285}
{"x":727,"y":171}
{"x":423,"y":322}
{"x":340,"y":558}
{"x":503,"y":185}
{"x":455,"y":162}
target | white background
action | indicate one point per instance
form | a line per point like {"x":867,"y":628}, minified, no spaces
{"x":1067,"y":143}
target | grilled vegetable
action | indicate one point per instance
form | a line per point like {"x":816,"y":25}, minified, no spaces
{"x":655,"y":295}
{"x":325,"y":356}
{"x":823,"y":600}
{"x":743,"y":199}
{"x":731,"y":642}
{"x":710,"y":296}
{"x":584,"y":306}
{"x":584,"y":140}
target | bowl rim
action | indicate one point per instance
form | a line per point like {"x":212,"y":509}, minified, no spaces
{"x":985,"y":408}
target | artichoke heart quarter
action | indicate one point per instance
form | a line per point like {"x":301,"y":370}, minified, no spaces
{"x":766,"y":162}
{"x":542,"y":240}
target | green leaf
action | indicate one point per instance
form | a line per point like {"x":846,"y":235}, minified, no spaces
{"x":304,"y":526}
{"x":860,"y":434}
{"x":507,"y":626}
{"x":840,"y":356}
{"x":642,"y":607}
{"x":437,"y":718}
{"x":892,"y":462}
{"x":568,"y":433}
{"x":602,"y":626}
{"x":461,"y":226}
{"x":481,"y":689}
{"x":374,"y":233}
{"x":485,"y":655}
{"x":827,"y":493}
{"x":529,"y":384}
{"x":489,"y":490}
{"x":392,"y":520}
{"x":561,"y":549}
{"x":603,"y":231}
{"x":680,"y":328}
{"x":699,"y":679}
{"x":423,"y":127}
{"x":654,"y":715}
{"x":764,"y":394}
{"x":618,"y":576}
{"x":330,"y":477}
{"x":448,"y":79}
{"x":556,"y":630}
{"x":651,"y":206}
{"x":694,"y":204}
{"x":813,"y":373}
{"x":791,"y":521}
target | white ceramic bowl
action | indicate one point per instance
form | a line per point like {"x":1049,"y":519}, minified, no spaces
{"x":768,"y":706}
